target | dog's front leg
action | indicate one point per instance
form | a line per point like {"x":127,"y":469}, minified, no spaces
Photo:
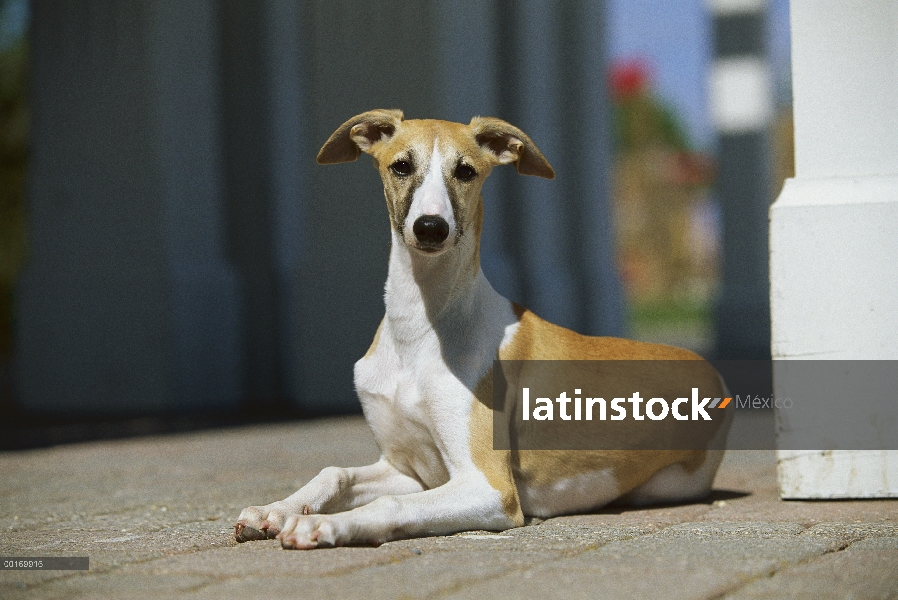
{"x":333,"y":490}
{"x":465,"y":502}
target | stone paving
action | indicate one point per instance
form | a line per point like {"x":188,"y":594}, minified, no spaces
{"x":155,"y":516}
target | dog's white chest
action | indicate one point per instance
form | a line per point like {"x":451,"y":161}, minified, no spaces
{"x":416,"y":408}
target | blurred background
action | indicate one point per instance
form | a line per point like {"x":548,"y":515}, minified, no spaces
{"x":172,"y":257}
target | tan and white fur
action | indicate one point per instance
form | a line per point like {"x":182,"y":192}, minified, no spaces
{"x":425,"y":384}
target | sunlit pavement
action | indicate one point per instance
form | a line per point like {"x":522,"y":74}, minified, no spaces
{"x":155,"y":516}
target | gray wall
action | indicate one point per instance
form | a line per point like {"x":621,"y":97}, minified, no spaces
{"x":127,"y":303}
{"x":187,"y":253}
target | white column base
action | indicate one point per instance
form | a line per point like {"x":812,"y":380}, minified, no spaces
{"x":834,"y":296}
{"x":815,"y":474}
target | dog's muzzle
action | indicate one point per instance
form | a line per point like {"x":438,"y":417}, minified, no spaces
{"x":430,"y":231}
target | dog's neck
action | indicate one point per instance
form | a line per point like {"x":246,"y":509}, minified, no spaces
{"x":430,"y":293}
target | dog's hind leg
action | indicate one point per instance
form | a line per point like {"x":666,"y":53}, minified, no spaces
{"x":676,"y":483}
{"x":333,"y":490}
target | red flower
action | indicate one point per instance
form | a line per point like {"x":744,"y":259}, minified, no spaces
{"x":628,"y":79}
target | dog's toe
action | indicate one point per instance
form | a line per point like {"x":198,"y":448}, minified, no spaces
{"x":305,"y":533}
{"x":258,"y":523}
{"x":245,"y":533}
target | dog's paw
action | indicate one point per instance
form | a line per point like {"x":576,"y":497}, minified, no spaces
{"x":307,"y":532}
{"x":261,"y":522}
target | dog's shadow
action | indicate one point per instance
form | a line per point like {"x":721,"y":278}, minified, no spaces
{"x":710,"y":499}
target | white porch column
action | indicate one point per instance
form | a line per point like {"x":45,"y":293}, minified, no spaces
{"x":834,"y":228}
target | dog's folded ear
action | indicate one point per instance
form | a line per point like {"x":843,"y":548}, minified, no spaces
{"x":508,"y":144}
{"x":358,"y":135}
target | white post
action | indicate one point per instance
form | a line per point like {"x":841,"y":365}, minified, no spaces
{"x":834,"y":228}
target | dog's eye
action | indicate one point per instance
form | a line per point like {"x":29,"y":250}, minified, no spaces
{"x":465,"y":173}
{"x":401,"y":168}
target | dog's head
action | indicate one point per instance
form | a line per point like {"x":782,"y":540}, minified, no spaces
{"x":432,"y":170}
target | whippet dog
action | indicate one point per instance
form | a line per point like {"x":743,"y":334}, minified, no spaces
{"x":425,"y":383}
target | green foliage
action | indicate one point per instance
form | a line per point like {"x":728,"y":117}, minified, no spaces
{"x":640,"y":120}
{"x":670,"y":312}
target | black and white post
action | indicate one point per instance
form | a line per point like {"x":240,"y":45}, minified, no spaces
{"x":742,"y":109}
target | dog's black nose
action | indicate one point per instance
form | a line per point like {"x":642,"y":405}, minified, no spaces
{"x":431,"y":230}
